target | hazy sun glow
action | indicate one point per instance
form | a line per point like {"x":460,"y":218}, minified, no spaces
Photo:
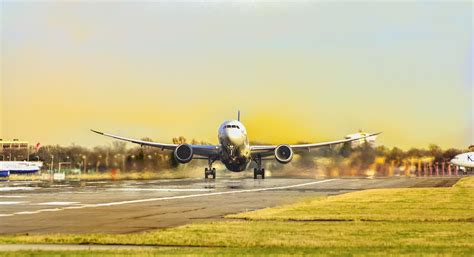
{"x":304,"y":71}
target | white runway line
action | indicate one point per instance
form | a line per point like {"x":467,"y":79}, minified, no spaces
{"x":167,"y":198}
{"x":12,"y":196}
{"x":162,"y":189}
{"x":58,"y":203}
{"x":3,"y":189}
{"x":10,"y":203}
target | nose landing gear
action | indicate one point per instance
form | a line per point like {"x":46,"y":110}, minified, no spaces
{"x":259,"y":170}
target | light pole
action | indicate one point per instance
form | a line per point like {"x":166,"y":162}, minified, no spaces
{"x":133,"y":162}
{"x":98,"y":163}
{"x":84,"y":158}
{"x":52,"y":163}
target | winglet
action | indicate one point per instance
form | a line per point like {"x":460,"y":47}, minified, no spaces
{"x":238,"y":115}
{"x":98,"y":132}
{"x":371,"y":135}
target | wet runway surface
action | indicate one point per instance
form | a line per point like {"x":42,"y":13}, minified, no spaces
{"x":136,"y":206}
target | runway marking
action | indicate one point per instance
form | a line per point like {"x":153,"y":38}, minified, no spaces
{"x":15,"y":188}
{"x":58,"y":203}
{"x":10,"y":203}
{"x":12,"y":196}
{"x":166,"y":198}
{"x":163,"y":189}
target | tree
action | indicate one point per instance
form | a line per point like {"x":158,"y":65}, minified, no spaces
{"x":415,"y":152}
{"x":396,"y":154}
{"x":436,"y":152}
{"x":179,"y":140}
{"x":450,"y":153}
{"x":119,"y":146}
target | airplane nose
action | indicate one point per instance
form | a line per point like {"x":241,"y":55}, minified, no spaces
{"x":235,"y":137}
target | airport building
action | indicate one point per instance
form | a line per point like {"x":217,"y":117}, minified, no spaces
{"x":9,"y":150}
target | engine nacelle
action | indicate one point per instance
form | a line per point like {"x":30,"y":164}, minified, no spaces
{"x":283,"y":154}
{"x":183,"y":153}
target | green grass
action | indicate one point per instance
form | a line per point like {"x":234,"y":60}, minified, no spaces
{"x":413,"y":222}
{"x":467,"y":182}
{"x":282,"y":234}
{"x":406,"y":204}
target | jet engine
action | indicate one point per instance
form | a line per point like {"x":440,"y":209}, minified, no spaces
{"x":283,"y":154}
{"x":183,"y":153}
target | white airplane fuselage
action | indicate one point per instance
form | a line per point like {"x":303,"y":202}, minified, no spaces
{"x":235,"y":147}
{"x":19,"y":167}
{"x":464,"y":160}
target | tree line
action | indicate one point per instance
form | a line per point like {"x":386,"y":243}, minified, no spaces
{"x":118,"y":156}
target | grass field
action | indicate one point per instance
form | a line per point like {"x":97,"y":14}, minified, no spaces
{"x":280,"y":251}
{"x":404,"y":204}
{"x":412,"y":222}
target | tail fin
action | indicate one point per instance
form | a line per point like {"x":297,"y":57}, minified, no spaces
{"x":238,"y":115}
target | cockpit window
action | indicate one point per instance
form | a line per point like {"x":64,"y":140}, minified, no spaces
{"x":231,"y":126}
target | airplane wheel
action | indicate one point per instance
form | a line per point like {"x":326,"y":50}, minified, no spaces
{"x":254,"y":173}
{"x":214,"y":173}
{"x":263,"y":174}
{"x":206,"y":171}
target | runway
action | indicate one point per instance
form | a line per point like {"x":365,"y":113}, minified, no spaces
{"x":136,"y":206}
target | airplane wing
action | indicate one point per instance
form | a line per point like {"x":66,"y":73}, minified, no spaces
{"x":267,"y":150}
{"x":202,"y":150}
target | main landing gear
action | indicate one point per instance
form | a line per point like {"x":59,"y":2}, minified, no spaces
{"x":259,"y":170}
{"x":210,"y":172}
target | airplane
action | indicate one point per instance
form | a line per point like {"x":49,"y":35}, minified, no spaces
{"x":18,"y":167}
{"x":234,"y":150}
{"x":464,"y":160}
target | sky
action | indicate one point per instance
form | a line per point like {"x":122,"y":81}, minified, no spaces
{"x":298,"y":71}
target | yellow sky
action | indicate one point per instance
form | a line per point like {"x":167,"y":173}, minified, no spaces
{"x":298,"y":71}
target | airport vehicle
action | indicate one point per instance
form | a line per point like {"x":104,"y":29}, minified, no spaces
{"x":20,"y":167}
{"x":234,"y":150}
{"x":464,"y":161}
